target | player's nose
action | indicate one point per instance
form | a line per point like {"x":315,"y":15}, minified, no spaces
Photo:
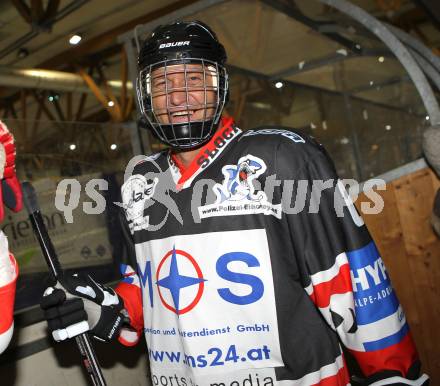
{"x":178,"y":92}
{"x":178,"y":98}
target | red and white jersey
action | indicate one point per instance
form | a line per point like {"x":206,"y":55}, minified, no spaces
{"x":11,"y":196}
{"x":253,"y":266}
{"x":8,"y":278}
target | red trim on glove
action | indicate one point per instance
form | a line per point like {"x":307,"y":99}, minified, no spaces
{"x":127,"y":342}
{"x":132,"y":297}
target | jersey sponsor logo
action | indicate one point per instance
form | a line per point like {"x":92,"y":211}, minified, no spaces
{"x":245,"y":377}
{"x":374,"y":297}
{"x":237,"y":194}
{"x":184,"y":284}
{"x":206,"y":155}
{"x":219,"y":142}
{"x":285,"y":133}
{"x":174,"y":44}
{"x":171,"y":279}
{"x":375,"y":300}
{"x":356,"y":298}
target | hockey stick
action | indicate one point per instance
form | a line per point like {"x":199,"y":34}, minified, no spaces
{"x":88,"y":355}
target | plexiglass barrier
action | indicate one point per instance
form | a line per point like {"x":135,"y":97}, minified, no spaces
{"x":82,"y":155}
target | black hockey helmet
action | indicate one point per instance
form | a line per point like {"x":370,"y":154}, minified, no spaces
{"x":192,"y":50}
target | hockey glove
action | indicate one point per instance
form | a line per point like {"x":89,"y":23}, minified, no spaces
{"x":78,"y":304}
{"x":10,"y":188}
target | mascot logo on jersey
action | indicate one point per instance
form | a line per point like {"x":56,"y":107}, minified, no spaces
{"x":237,"y":194}
{"x":140,"y":192}
{"x":135,"y":193}
{"x":238,"y":181}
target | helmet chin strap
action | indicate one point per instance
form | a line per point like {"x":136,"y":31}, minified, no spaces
{"x":183,"y":140}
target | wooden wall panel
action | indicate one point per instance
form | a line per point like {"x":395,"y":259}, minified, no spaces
{"x":414,"y":195}
{"x":411,"y":252}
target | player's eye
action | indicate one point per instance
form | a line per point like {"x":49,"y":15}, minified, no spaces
{"x":195,"y":79}
{"x":159,"y":84}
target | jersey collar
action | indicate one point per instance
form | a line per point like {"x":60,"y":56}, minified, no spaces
{"x":207,"y":154}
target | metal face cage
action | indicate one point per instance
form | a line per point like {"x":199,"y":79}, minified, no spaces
{"x":183,"y":101}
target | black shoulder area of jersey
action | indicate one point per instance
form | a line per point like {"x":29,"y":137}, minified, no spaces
{"x":155,"y":163}
{"x":288,"y":143}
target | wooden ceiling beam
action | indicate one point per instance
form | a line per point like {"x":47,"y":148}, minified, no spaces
{"x":51,"y":10}
{"x":109,"y":37}
{"x":98,"y":94}
{"x":92,"y":51}
{"x":41,"y":100}
{"x":82,"y":103}
{"x":88,"y":61}
{"x":97,"y":116}
{"x":35,"y":127}
{"x":110,"y":95}
{"x":37,"y":11}
{"x":83,"y":99}
{"x":69,"y":106}
{"x":98,"y":57}
{"x":58,"y":109}
{"x":23,"y":10}
{"x":6,"y":111}
{"x":13,"y":111}
{"x":408,"y":19}
{"x":128,"y":107}
{"x":431,"y":9}
{"x":23,"y":95}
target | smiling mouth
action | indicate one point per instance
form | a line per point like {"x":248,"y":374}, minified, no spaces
{"x":184,"y":116}
{"x":183,"y":113}
{"x":181,"y":116}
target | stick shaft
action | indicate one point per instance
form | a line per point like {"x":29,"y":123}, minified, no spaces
{"x":46,"y":245}
{"x":89,"y":359}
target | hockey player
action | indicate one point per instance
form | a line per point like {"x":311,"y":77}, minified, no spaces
{"x":10,"y":195}
{"x":253,"y":265}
